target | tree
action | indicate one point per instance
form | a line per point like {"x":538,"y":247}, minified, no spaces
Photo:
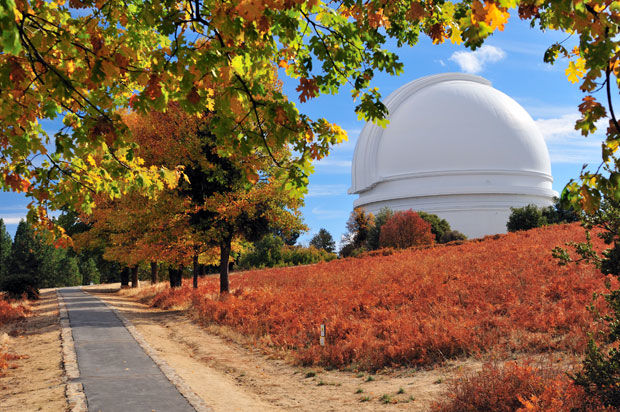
{"x":5,"y":250}
{"x":375,"y":231}
{"x":89,"y":66}
{"x":323,"y":240}
{"x":439,"y":226}
{"x":89,"y":271}
{"x":525,"y":218}
{"x":359,"y":225}
{"x":406,"y":229}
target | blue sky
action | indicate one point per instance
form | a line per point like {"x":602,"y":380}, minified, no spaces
{"x":512,"y":60}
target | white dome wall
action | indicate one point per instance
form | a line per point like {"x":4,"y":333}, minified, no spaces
{"x":455,"y":147}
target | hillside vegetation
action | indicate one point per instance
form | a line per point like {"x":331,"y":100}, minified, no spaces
{"x":415,"y":307}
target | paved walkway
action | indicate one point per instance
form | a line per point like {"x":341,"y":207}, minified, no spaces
{"x":116,"y":373}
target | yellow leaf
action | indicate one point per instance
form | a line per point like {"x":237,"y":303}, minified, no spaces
{"x":495,"y":17}
{"x":455,"y":35}
{"x":576,"y":70}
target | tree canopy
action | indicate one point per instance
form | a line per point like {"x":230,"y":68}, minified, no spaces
{"x":87,"y":62}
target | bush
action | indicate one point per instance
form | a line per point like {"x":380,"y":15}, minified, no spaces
{"x":525,"y":218}
{"x":270,"y":251}
{"x":439,"y":226}
{"x":451,"y":236}
{"x":531,"y":216}
{"x":297,"y":255}
{"x":405,"y":229}
{"x":514,"y":387}
{"x":18,"y":285}
{"x":267,"y":252}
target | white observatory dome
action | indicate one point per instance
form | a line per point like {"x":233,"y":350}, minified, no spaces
{"x":455,"y":147}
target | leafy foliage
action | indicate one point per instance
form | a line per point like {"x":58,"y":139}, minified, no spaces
{"x":413,"y":307}
{"x":323,"y":240}
{"x":405,"y":229}
{"x":601,"y":369}
{"x":452,"y":236}
{"x":439,"y":226}
{"x":531,"y":216}
{"x":515,"y":387}
{"x":271,"y":251}
{"x":525,"y":218}
{"x":375,"y":231}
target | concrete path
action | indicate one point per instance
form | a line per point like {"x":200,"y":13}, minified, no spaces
{"x":116,"y":373}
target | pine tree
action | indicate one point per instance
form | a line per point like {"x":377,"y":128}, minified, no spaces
{"x":67,"y":272}
{"x":323,"y":240}
{"x":88,"y":270}
{"x":5,"y":250}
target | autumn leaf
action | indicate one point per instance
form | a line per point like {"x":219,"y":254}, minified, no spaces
{"x":307,"y":89}
{"x":576,"y":70}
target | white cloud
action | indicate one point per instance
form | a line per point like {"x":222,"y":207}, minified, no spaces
{"x":567,"y":145}
{"x":326,"y":190}
{"x":474,"y":61}
{"x":12,"y":220}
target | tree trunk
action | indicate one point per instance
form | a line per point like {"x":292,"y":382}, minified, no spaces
{"x":224,"y":255}
{"x":125,"y":278}
{"x":134,"y":276}
{"x":196,"y":270}
{"x":176,"y":277}
{"x":154,"y":272}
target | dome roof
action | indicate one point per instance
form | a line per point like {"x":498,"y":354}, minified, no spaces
{"x":453,"y":126}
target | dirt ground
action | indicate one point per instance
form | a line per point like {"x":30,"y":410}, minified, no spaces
{"x":36,"y":382}
{"x":230,"y":376}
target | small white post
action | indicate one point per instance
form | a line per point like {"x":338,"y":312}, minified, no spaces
{"x":322,"y":340}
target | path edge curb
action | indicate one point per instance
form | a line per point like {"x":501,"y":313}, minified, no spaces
{"x":74,"y":391}
{"x":194,"y":400}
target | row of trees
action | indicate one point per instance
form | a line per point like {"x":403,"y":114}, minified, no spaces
{"x":399,"y":229}
{"x":29,"y":262}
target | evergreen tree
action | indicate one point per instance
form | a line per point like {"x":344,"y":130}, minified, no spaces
{"x":5,"y":250}
{"x":323,"y":240}
{"x":88,"y":270}
{"x":67,"y":272}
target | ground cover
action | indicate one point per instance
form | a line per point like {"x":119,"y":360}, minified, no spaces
{"x":410,"y":308}
{"x":34,"y":379}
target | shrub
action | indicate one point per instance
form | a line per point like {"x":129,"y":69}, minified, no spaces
{"x":297,"y":255}
{"x":270,"y":251}
{"x":405,"y":229}
{"x":514,"y":387}
{"x":415,"y":307}
{"x":18,"y":285}
{"x":451,"y":236}
{"x":525,"y":218}
{"x":267,"y":252}
{"x":439,"y":226}
{"x":10,"y":312}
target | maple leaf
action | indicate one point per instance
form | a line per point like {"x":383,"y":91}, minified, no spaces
{"x":416,"y":11}
{"x":496,"y":17}
{"x":153,"y":88}
{"x":576,"y":70}
{"x":307,"y":88}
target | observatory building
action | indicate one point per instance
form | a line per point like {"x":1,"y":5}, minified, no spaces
{"x":455,"y":147}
